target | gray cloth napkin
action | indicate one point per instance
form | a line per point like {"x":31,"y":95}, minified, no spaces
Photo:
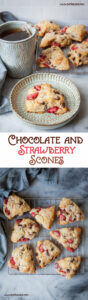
{"x":18,"y":180}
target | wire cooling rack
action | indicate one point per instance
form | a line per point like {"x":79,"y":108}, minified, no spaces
{"x":44,"y":234}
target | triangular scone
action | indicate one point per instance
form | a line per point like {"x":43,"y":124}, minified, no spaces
{"x":78,"y":53}
{"x":22,"y":259}
{"x":69,"y":237}
{"x":68,"y":266}
{"x":44,"y":216}
{"x":68,"y":212}
{"x":76,"y":32}
{"x":44,"y":98}
{"x":46,"y":252}
{"x":24,"y":230}
{"x":53,"y":38}
{"x":54,"y":58}
{"x":45,"y":25}
{"x":14,"y":206}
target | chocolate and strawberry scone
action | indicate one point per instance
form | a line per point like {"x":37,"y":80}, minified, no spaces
{"x":14,"y":206}
{"x":68,"y":266}
{"x":55,"y":38}
{"x":44,"y":216}
{"x":53,"y":57}
{"x":24,"y":230}
{"x":75,"y":32}
{"x":69,"y":212}
{"x":46,"y":252}
{"x":44,"y":98}
{"x":78,"y":53}
{"x":22,"y":259}
{"x":68,"y":237}
{"x":45,"y":25}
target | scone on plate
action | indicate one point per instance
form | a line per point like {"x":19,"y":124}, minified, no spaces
{"x":22,"y":259}
{"x":54,"y":58}
{"x":45,"y":25}
{"x":14,"y":205}
{"x":44,"y":216}
{"x":68,"y":212}
{"x":68,"y":237}
{"x":24,"y":230}
{"x":76,"y":32}
{"x":68,"y":266}
{"x":46,"y":252}
{"x":44,"y":98}
{"x":78,"y":53}
{"x":55,"y":38}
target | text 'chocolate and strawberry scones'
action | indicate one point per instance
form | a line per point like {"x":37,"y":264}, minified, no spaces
{"x":46,"y":252}
{"x":76,"y":32}
{"x":78,"y":53}
{"x":55,"y":38}
{"x":53,"y":57}
{"x":68,"y":212}
{"x":14,"y":205}
{"x":24,"y":230}
{"x":44,"y":216}
{"x":45,"y":25}
{"x":68,"y":237}
{"x":44,"y":98}
{"x":22,"y":259}
{"x":68,"y":266}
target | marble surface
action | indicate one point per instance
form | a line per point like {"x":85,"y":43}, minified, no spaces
{"x":71,"y":183}
{"x":9,"y":122}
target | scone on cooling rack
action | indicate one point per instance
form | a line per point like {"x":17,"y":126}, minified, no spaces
{"x":54,"y":58}
{"x":78,"y":53}
{"x":45,"y":25}
{"x":68,"y":237}
{"x":22,"y":259}
{"x":14,"y":205}
{"x":68,"y":266}
{"x":44,"y":216}
{"x":44,"y":98}
{"x":24,"y":230}
{"x":68,"y":212}
{"x":55,"y":38}
{"x":46,"y":252}
{"x":75,"y":32}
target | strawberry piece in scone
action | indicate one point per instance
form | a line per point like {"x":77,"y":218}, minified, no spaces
{"x":44,"y":216}
{"x":78,"y":53}
{"x":45,"y":25}
{"x":45,"y":99}
{"x":76,"y":32}
{"x":68,"y":266}
{"x":68,"y":237}
{"x":22,"y":259}
{"x":53,"y":57}
{"x":46,"y":252}
{"x":14,"y":206}
{"x":24,"y":230}
{"x":69,"y":212}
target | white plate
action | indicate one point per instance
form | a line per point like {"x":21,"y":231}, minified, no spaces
{"x":46,"y":120}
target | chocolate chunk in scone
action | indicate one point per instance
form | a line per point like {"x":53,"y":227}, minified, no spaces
{"x":78,"y":53}
{"x":68,"y":266}
{"x":45,"y":25}
{"x":53,"y":57}
{"x":24,"y":230}
{"x":46,"y":252}
{"x":44,"y":216}
{"x":68,"y":237}
{"x":14,"y":205}
{"x":44,"y":98}
{"x":69,"y":212}
{"x":22,"y":259}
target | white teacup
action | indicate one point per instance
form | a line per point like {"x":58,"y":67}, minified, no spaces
{"x":18,"y":56}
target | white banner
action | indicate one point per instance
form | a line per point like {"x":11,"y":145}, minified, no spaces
{"x":44,"y":150}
